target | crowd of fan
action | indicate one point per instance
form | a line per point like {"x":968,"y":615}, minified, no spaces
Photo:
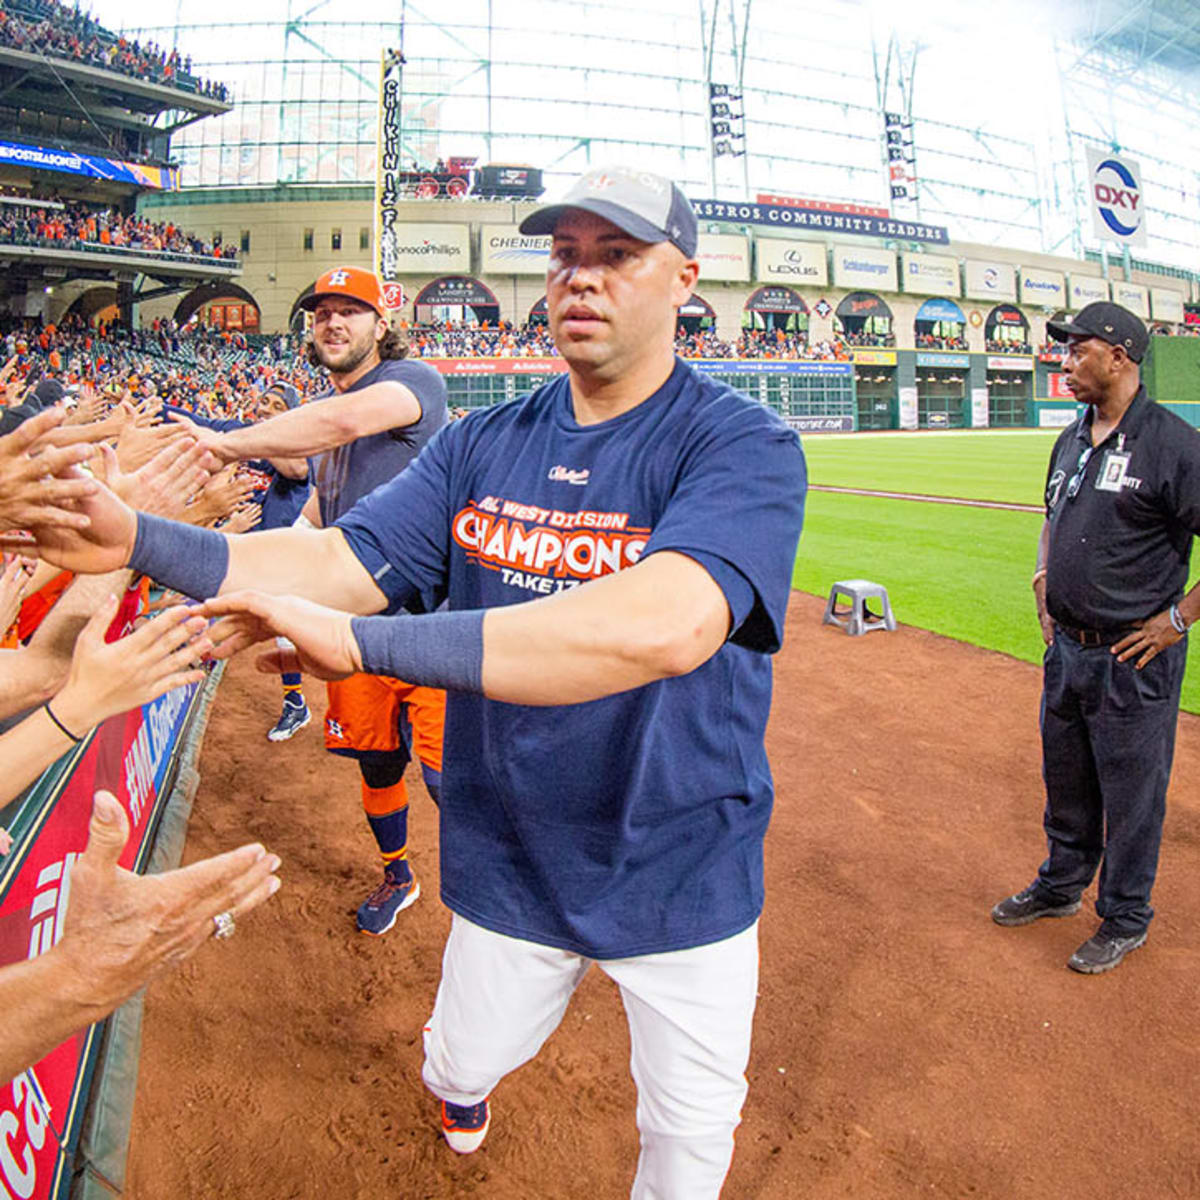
{"x":52,"y":28}
{"x":533,"y":340}
{"x":74,"y":226}
{"x":218,"y":373}
{"x":1007,"y":347}
{"x":941,"y":341}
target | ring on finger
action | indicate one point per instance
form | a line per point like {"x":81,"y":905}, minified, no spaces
{"x":225,"y":925}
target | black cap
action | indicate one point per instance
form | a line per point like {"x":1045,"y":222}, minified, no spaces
{"x":46,"y":394}
{"x":1110,"y":323}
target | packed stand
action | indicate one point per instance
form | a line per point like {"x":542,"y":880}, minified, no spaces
{"x":217,"y":373}
{"x":35,"y":222}
{"x":1007,"y":347}
{"x":868,"y":339}
{"x":54,"y":29}
{"x":939,"y":341}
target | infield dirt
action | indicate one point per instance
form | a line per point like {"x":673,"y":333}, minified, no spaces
{"x":904,"y":1044}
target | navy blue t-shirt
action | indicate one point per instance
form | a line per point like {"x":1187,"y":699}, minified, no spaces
{"x":283,"y":499}
{"x":632,"y":824}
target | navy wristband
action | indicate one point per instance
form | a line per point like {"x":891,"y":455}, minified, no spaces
{"x":443,"y":649}
{"x":190,"y":560}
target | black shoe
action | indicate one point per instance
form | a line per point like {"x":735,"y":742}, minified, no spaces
{"x":1104,"y":952}
{"x":1028,"y":905}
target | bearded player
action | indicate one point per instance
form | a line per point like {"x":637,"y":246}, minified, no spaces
{"x":380,"y":410}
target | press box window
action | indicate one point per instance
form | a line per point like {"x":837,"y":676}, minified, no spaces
{"x":245,"y":240}
{"x":308,"y":239}
{"x":335,"y":240}
{"x":364,"y":238}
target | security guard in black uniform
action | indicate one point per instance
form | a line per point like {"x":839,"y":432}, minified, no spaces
{"x":1122,"y":507}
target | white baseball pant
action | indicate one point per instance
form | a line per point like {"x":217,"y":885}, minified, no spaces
{"x":689,"y":1012}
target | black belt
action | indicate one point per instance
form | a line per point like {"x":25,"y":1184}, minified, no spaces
{"x":1094,"y":637}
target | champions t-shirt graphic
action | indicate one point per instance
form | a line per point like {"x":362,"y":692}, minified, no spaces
{"x":631,"y":824}
{"x":544,"y":550}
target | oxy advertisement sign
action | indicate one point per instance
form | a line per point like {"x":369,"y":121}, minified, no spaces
{"x":1115,"y":198}
{"x":990,"y":281}
{"x":790,"y":263}
{"x":505,"y":250}
{"x":724,"y":257}
{"x":419,"y":249}
{"x":41,"y":1110}
{"x":1044,"y":288}
{"x":864,"y":267}
{"x":1009,"y":362}
{"x":1083,"y":290}
{"x":1133,"y":297}
{"x":1166,"y":305}
{"x":930,"y":274}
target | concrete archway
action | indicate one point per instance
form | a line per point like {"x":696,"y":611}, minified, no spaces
{"x":206,"y":293}
{"x":95,"y":300}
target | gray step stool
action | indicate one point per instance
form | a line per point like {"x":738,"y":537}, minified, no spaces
{"x":858,"y":619}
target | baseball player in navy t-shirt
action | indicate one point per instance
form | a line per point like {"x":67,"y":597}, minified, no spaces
{"x":617,"y":551}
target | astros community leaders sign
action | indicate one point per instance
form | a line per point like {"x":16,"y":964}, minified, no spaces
{"x":784,"y":216}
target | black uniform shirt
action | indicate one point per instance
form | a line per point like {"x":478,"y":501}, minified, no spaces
{"x":1121,"y":524}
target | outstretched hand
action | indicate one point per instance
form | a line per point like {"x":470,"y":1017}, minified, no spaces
{"x":39,"y":482}
{"x":123,"y":929}
{"x":324,"y":644}
{"x":107,"y":678}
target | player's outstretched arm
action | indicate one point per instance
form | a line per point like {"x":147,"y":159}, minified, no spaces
{"x":321,"y":424}
{"x":121,"y":931}
{"x":664,"y":617}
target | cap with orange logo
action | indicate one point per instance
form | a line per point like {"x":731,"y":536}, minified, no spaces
{"x":348,"y":281}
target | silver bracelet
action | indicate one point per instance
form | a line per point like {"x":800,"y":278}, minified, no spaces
{"x":1177,"y":621}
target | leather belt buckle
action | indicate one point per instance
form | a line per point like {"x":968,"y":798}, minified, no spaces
{"x":1090,"y":637}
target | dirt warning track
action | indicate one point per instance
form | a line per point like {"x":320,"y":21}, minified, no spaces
{"x":904,"y":1045}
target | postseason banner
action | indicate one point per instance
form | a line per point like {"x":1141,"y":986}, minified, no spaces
{"x":41,"y":1110}
{"x":387,"y":168}
{"x":15,"y":154}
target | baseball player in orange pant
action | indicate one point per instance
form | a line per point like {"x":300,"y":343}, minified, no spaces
{"x":380,"y":411}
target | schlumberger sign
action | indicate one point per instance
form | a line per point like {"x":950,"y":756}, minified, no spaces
{"x":1116,"y":198}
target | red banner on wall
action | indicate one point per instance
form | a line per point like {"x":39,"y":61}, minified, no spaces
{"x":130,"y":756}
{"x":499,"y":366}
{"x":1058,"y":389}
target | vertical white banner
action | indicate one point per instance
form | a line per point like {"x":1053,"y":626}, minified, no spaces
{"x":979,"y":408}
{"x":908,"y":407}
{"x":1115,"y":198}
{"x":387,"y":166}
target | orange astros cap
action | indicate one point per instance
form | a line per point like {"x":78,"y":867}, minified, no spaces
{"x":348,"y":281}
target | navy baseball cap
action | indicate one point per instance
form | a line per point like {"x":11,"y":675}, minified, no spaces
{"x":646,"y":206}
{"x":291,"y":397}
{"x":1110,"y":323}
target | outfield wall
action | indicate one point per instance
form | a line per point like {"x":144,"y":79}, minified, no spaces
{"x":879,"y":389}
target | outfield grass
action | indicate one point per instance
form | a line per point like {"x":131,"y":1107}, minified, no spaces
{"x":1008,"y":466}
{"x":962,"y":572}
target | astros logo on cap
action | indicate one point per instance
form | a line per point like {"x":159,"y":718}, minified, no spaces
{"x":338,"y":277}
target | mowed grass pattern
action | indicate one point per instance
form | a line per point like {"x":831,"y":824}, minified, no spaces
{"x":959,"y":571}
